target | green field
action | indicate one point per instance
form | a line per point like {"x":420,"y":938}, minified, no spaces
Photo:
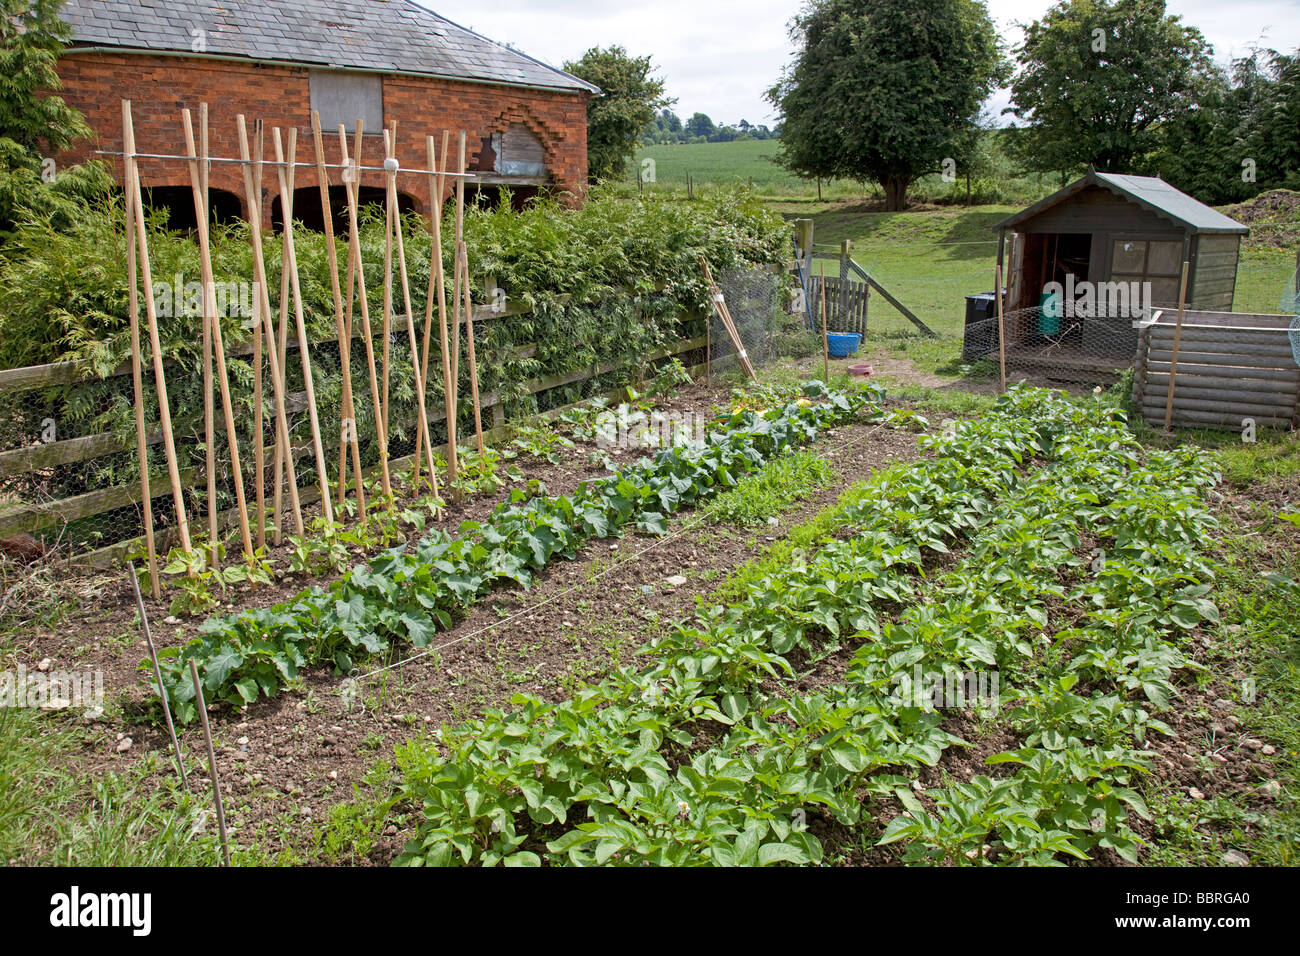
{"x":752,"y":162}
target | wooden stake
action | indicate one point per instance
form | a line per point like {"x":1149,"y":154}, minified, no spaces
{"x":282,"y":344}
{"x":1002,"y":331}
{"x":353,"y":177}
{"x":469,"y":338}
{"x":1173,"y":358}
{"x":260,"y":318}
{"x":422,"y":416}
{"x":348,"y":419}
{"x":202,"y":214}
{"x":160,"y":378}
{"x":157,"y":672}
{"x":720,"y":304}
{"x":826,"y":339}
{"x":272,"y":356}
{"x":212,"y":323}
{"x":456,"y":291}
{"x":137,"y":381}
{"x":438,"y":278}
{"x":212,"y":759}
{"x":385,"y":327}
{"x":304,"y":353}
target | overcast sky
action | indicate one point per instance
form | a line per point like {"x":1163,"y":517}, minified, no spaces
{"x":718,"y":56}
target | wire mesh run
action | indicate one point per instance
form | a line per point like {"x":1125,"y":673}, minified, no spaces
{"x":1046,"y":348}
{"x":756,"y":299}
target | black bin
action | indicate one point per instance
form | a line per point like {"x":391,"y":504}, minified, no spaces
{"x":981,"y":331}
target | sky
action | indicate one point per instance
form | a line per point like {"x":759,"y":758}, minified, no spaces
{"x":719,"y":56}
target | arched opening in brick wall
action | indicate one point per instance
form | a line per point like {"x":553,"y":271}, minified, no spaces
{"x":514,"y":151}
{"x":491,"y":197}
{"x":307,"y":210}
{"x":178,"y":202}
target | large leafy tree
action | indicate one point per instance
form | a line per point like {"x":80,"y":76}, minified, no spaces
{"x":34,"y":123}
{"x":1241,"y":138}
{"x":885,"y":90}
{"x":631,"y":96}
{"x":1098,"y":78}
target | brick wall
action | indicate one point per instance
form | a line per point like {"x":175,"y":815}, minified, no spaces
{"x":160,"y":87}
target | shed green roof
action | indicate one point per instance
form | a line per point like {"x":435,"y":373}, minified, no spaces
{"x":1149,"y":192}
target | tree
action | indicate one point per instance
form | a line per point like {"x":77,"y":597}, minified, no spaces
{"x":884,"y":90}
{"x":617,"y":116}
{"x":33,"y":123}
{"x":1097,"y":79}
{"x":700,"y":125}
{"x":1240,"y":139}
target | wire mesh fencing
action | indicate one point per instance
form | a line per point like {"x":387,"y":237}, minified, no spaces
{"x":756,"y":300}
{"x":1050,"y":348}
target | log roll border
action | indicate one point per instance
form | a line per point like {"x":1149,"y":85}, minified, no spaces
{"x":1230,"y":367}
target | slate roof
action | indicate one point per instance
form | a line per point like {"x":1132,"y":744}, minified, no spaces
{"x":389,"y":36}
{"x":1149,"y":192}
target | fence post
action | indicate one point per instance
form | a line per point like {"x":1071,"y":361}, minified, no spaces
{"x":803,"y":239}
{"x":845,"y":246}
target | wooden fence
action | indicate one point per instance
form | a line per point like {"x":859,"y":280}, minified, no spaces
{"x":846,"y":304}
{"x":1229,"y":367}
{"x":45,"y":519}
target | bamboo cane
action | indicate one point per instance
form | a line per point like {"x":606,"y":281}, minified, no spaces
{"x":348,"y":425}
{"x":422,"y":415}
{"x":202,"y":212}
{"x":282,"y":342}
{"x":456,"y":274}
{"x":354,"y":238}
{"x":469,"y":339}
{"x":438,"y":278}
{"x":151,"y":313}
{"x":385,"y":324}
{"x":1173,"y":357}
{"x":435,"y":260}
{"x":350,"y":295}
{"x":157,"y":672}
{"x":272,"y":357}
{"x":287,"y":183}
{"x":213,"y":322}
{"x":259,"y":320}
{"x":826,"y":339}
{"x":202,"y":706}
{"x":137,"y":381}
{"x":720,"y":304}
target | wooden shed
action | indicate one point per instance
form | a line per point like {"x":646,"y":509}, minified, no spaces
{"x":1110,"y":232}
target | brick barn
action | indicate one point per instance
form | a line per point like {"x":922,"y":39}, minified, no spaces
{"x":277,"y":60}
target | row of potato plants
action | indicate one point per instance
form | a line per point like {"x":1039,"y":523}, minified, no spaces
{"x":1091,"y":674}
{"x":408,"y":595}
{"x":621,"y":749}
{"x":698,"y":759}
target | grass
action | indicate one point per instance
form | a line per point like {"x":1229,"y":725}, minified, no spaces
{"x":771,"y":490}
{"x":803,"y":537}
{"x":54,"y":814}
{"x":1259,"y":637}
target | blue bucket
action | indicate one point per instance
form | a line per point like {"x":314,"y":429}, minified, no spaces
{"x":843,"y":344}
